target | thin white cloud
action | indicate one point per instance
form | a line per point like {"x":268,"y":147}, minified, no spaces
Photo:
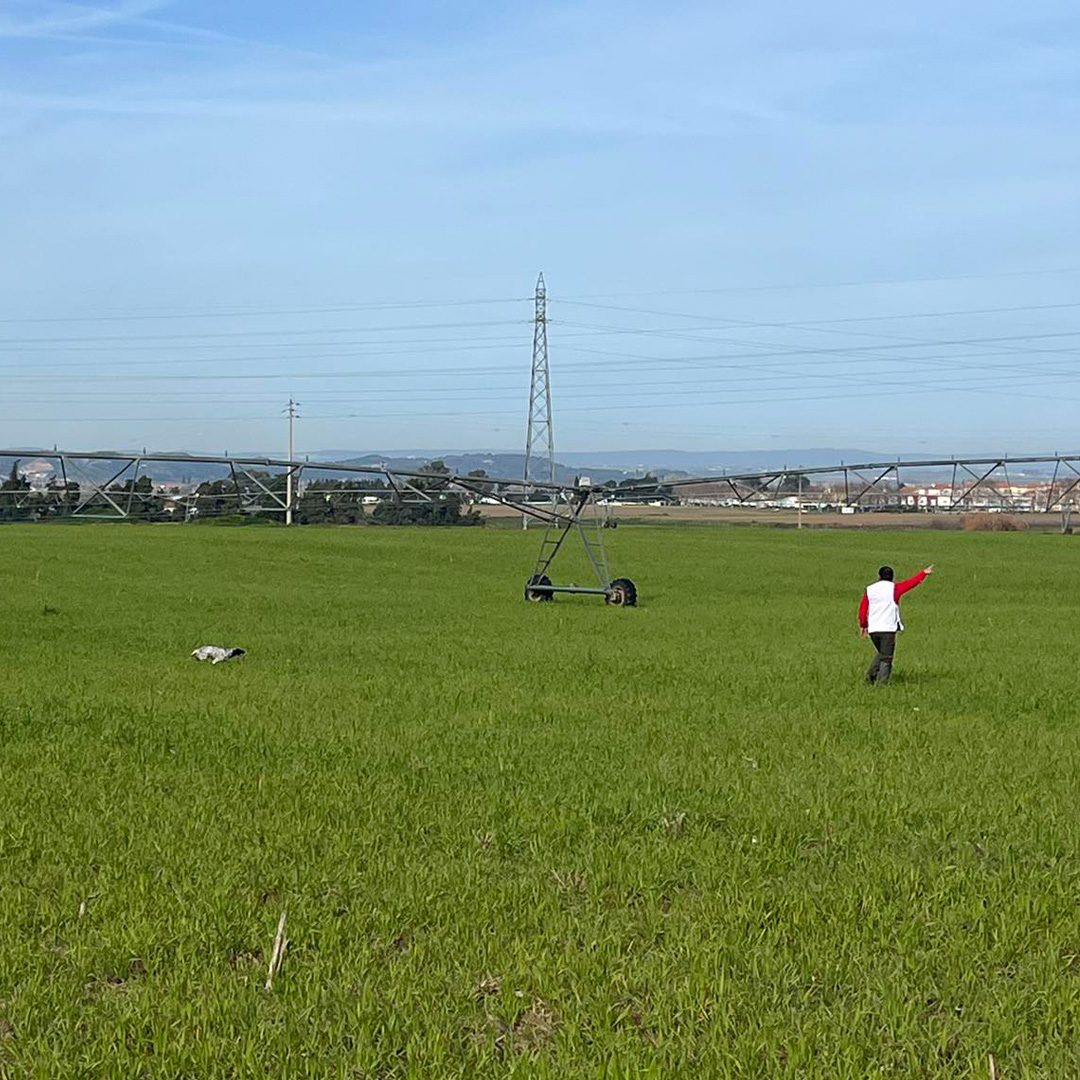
{"x":419,"y":113}
{"x":202,"y":33}
{"x":618,"y":85}
{"x":82,"y":24}
{"x":65,"y":18}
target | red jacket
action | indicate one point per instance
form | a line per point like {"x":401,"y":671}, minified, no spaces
{"x":899,"y":589}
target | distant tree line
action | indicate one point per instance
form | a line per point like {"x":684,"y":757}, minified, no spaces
{"x":640,"y":488}
{"x":441,"y":507}
{"x":250,"y":494}
{"x":20,"y":502}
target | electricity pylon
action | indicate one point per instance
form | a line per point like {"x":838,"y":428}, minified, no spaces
{"x":540,"y":436}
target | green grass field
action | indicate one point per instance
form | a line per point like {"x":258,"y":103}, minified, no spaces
{"x":554,"y":840}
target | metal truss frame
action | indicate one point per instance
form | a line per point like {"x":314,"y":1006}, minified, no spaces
{"x":590,"y":532}
{"x":748,"y":487}
{"x":1068,"y":489}
{"x":254,"y":494}
{"x":565,"y":512}
{"x":873,"y":478}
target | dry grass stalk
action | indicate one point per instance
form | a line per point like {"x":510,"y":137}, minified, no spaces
{"x":278,"y":953}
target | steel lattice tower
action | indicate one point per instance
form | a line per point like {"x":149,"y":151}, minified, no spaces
{"x":540,"y":435}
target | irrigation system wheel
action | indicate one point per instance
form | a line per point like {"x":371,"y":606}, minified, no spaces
{"x":538,"y":595}
{"x":622,"y":592}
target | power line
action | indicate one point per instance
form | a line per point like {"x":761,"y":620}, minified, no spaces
{"x":653,"y":400}
{"x":577,"y":392}
{"x":865,"y":352}
{"x":762,"y":363}
{"x":622,"y":360}
{"x":824,"y":356}
{"x":902,"y":343}
{"x":116,"y":341}
{"x":261,"y":333}
{"x":767,"y":364}
{"x":829,"y":325}
{"x":864,"y":283}
{"x":251,"y":313}
{"x":157,"y":314}
{"x":595,"y":330}
{"x":454,"y":346}
{"x":830,"y":322}
{"x":305,"y":345}
{"x":506,"y":417}
{"x":682,"y":336}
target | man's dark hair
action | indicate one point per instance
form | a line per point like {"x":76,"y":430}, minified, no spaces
{"x":885,"y":573}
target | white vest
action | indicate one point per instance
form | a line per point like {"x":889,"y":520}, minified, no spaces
{"x":884,"y":614}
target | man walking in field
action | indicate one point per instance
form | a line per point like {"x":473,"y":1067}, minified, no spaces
{"x":879,"y":618}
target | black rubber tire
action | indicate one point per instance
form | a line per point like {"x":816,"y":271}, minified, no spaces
{"x":622,"y":592}
{"x":535,"y":595}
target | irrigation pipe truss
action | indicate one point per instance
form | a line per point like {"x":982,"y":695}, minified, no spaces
{"x":274,"y":486}
{"x":864,"y":482}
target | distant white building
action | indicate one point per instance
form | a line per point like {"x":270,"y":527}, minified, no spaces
{"x":38,"y":474}
{"x":927,"y":498}
{"x":1023,"y":496}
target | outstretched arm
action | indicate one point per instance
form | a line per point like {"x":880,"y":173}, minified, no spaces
{"x":906,"y":586}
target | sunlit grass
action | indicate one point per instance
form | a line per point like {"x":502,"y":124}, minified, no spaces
{"x":539,"y":840}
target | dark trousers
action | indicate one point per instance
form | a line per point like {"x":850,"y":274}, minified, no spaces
{"x":881,"y":668}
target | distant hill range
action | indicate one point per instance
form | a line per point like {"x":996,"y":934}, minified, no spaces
{"x":599,"y":466}
{"x":505,"y":466}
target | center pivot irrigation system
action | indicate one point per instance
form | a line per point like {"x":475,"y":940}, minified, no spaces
{"x":256,"y":489}
{"x":256,"y":486}
{"x":275,"y":487}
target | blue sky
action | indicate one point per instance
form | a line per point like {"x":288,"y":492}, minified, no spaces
{"x":761,"y":224}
